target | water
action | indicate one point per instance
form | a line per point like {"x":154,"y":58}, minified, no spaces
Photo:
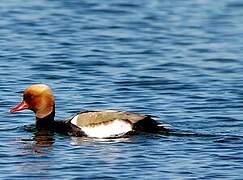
{"x":178,"y":60}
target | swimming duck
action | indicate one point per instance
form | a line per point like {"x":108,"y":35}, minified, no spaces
{"x":98,"y":124}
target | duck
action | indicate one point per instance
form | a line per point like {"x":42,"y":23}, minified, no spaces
{"x":95,"y":124}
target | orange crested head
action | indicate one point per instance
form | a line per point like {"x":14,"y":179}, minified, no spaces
{"x":38,"y":98}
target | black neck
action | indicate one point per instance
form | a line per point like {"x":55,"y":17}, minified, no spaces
{"x":46,"y":122}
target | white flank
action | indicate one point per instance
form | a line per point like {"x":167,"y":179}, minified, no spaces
{"x":112,"y":129}
{"x":74,"y":120}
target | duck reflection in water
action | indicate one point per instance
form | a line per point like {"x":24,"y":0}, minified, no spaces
{"x":41,"y":141}
{"x":44,"y":138}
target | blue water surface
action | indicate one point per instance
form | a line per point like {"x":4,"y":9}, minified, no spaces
{"x":178,"y":60}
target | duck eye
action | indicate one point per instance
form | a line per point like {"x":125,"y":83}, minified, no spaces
{"x":27,"y":96}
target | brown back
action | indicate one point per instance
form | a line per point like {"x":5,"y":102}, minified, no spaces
{"x":98,"y":117}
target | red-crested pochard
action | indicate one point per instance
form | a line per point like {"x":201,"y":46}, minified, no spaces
{"x":98,"y":124}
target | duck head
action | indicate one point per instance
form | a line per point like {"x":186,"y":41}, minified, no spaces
{"x":37,"y":98}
